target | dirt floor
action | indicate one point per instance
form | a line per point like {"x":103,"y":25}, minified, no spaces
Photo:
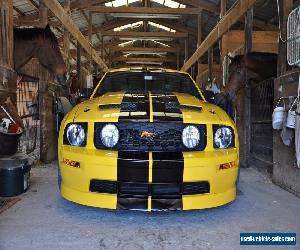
{"x":43,"y":220}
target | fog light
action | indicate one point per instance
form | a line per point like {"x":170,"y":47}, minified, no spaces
{"x":74,"y":164}
{"x":227,"y":165}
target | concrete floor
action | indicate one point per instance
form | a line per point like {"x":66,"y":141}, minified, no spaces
{"x":43,"y":220}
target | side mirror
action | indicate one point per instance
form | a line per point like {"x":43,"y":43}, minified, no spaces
{"x":85,"y":93}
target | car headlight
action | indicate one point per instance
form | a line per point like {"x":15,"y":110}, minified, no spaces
{"x":223,"y":137}
{"x":76,"y":134}
{"x":190,"y":136}
{"x":110,"y":135}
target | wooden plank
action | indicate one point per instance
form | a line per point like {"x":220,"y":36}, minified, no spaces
{"x":66,"y":37}
{"x":10,"y":34}
{"x":144,"y":49}
{"x":247,"y":101}
{"x":68,"y":23}
{"x":231,"y":17}
{"x":153,"y":35}
{"x":262,"y":41}
{"x":145,"y":10}
{"x":143,"y":59}
{"x":43,"y":15}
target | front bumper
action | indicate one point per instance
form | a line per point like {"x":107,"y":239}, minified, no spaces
{"x":105,"y":165}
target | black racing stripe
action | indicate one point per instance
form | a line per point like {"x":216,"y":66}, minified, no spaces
{"x":166,"y":204}
{"x":132,"y":167}
{"x":167,"y":168}
{"x":135,"y":107}
{"x":166,"y":107}
{"x":132,"y":203}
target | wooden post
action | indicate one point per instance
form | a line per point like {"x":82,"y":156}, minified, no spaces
{"x":43,"y":15}
{"x":66,"y":37}
{"x":7,"y":39}
{"x":247,"y":96}
{"x":285,"y":7}
{"x":210,"y":63}
{"x":78,"y":63}
{"x":199,"y":42}
{"x":186,"y":44}
{"x":7,"y":74}
{"x":102,"y":47}
{"x":90,"y":30}
{"x":223,"y":4}
{"x":178,"y":57}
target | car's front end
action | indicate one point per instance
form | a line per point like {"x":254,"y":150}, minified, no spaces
{"x":148,"y":150}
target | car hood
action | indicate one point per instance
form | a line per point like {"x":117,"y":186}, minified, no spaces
{"x":152,"y":107}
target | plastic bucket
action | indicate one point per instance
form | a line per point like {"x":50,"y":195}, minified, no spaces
{"x":278,"y":117}
{"x":9,"y":143}
{"x":291,"y":118}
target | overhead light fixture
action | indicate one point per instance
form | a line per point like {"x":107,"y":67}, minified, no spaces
{"x":143,"y":53}
{"x":146,"y":38}
{"x":138,"y":62}
{"x":133,"y":15}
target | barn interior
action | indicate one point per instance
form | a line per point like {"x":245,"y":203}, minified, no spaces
{"x":57,"y":50}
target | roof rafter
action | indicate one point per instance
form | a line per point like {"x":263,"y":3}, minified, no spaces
{"x":145,"y":34}
{"x":145,"y":10}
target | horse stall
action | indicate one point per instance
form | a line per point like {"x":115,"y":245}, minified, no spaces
{"x":36,"y":107}
{"x":253,"y":118}
{"x":27,"y":105}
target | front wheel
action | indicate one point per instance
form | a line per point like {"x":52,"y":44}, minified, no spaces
{"x":58,"y":178}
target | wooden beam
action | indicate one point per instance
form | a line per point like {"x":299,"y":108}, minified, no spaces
{"x":143,"y":59}
{"x":262,"y":41}
{"x":247,"y":98}
{"x":199,"y":38}
{"x":43,"y":14}
{"x":66,"y":37}
{"x":18,"y":11}
{"x":33,"y":4}
{"x":221,"y":28}
{"x":145,"y":10}
{"x":285,"y":7}
{"x":68,"y":23}
{"x":144,"y":34}
{"x":142,"y":49}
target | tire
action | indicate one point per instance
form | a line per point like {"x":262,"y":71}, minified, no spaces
{"x":58,"y":178}
{"x":238,"y":178}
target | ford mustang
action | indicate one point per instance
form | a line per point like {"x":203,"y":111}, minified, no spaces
{"x":148,"y":140}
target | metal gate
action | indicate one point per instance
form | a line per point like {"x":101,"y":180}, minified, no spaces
{"x":261,"y":139}
{"x":27,"y":104}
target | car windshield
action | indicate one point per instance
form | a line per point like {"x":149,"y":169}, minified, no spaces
{"x":158,"y":82}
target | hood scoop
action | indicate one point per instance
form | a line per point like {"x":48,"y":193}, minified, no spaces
{"x":173,"y":107}
{"x":125,"y":106}
{"x":109,"y":106}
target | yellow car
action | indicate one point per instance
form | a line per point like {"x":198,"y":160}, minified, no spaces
{"x":148,"y":140}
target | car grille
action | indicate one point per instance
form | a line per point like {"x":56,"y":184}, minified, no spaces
{"x":167,"y":137}
{"x":156,"y":190}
